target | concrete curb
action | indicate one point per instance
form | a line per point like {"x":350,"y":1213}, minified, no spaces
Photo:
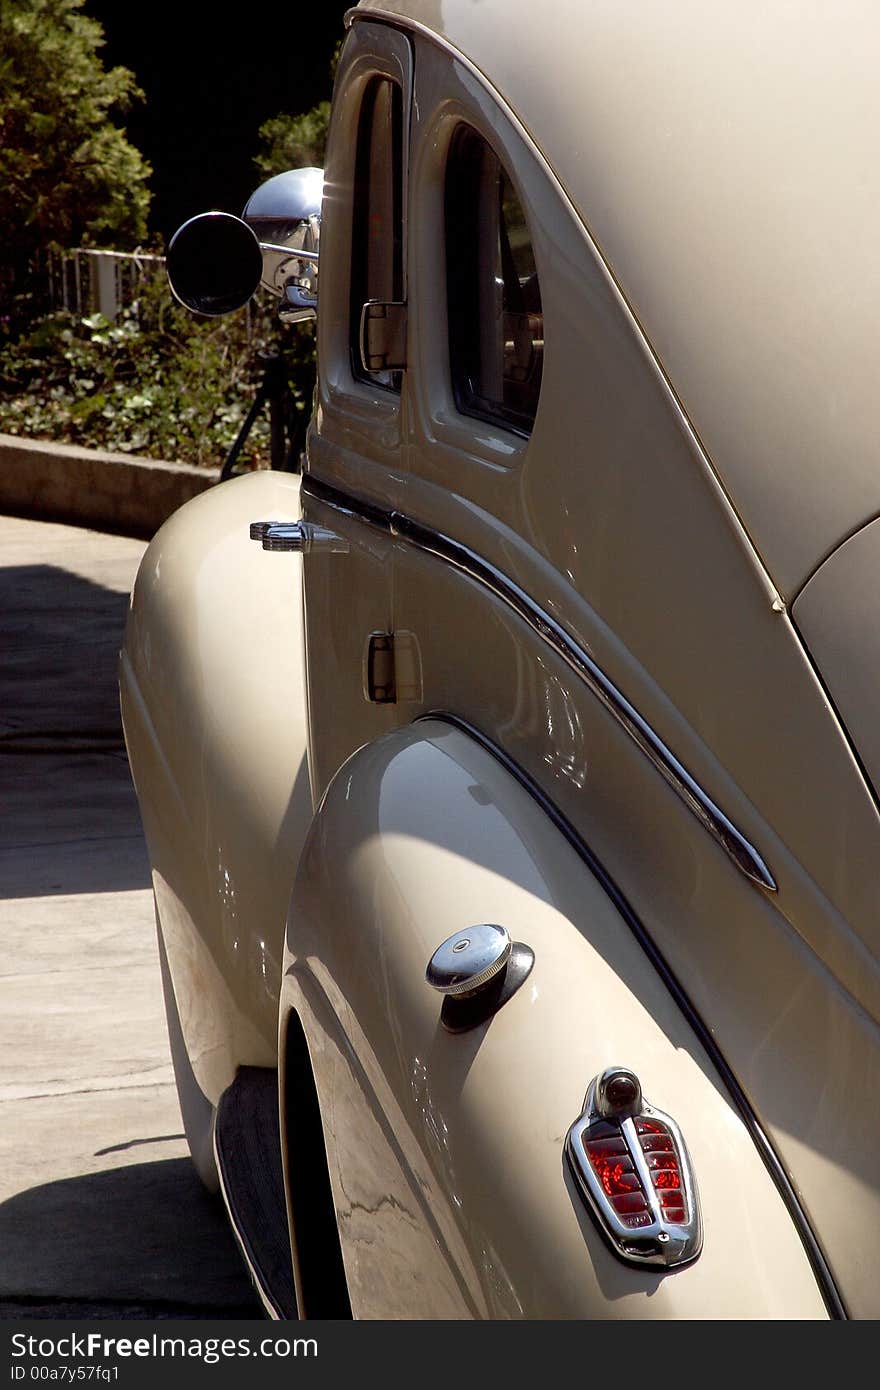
{"x":90,"y":487}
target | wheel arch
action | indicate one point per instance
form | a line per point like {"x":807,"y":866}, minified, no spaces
{"x":419,"y":834}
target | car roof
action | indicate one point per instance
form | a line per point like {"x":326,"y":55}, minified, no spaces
{"x":724,"y":158}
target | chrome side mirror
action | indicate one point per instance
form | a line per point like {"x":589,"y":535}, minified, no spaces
{"x":285,"y":215}
{"x":216,"y":261}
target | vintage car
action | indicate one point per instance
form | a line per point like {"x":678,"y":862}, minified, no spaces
{"x":510,"y":777}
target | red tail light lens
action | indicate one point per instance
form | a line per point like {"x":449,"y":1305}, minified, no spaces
{"x":614,"y":1168}
{"x":658,"y":1146}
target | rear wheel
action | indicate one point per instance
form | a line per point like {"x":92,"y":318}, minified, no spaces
{"x":324,"y":1288}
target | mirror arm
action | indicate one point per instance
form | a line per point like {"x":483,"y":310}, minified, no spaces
{"x":288,"y":252}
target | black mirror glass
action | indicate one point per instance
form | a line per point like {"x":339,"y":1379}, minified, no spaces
{"x":214,"y":263}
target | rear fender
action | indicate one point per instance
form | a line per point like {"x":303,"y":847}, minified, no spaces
{"x":445,"y":1151}
{"x":213,"y":702}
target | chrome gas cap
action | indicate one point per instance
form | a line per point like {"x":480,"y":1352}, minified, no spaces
{"x":477,"y":970}
{"x":467,"y":961}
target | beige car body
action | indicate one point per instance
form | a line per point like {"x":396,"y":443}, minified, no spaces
{"x":643,"y":639}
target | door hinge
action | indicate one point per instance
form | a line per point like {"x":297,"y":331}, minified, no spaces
{"x":392,"y":668}
{"x":383,"y":336}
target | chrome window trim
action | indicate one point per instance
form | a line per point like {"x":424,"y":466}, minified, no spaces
{"x":698,"y":801}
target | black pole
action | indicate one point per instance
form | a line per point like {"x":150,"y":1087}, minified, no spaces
{"x":232,"y":457}
{"x":276,"y":390}
{"x":287,"y":425}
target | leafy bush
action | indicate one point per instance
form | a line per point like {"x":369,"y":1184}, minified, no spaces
{"x":156,"y":382}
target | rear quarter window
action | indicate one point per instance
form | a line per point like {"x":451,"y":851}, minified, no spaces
{"x":496,"y":322}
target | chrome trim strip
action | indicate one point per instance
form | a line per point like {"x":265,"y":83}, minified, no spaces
{"x":710,"y":815}
{"x":461,"y":557}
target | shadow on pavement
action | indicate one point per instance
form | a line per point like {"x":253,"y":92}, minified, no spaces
{"x":64,"y":779}
{"x":142,"y":1241}
{"x":60,"y":635}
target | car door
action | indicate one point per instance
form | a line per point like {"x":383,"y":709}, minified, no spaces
{"x":357,"y":439}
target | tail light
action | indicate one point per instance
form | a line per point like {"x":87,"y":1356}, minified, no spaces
{"x":631,"y":1164}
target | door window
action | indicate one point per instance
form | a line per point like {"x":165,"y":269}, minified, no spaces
{"x":377,"y":244}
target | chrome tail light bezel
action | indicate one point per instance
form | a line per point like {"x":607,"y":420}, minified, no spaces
{"x":662,"y":1242}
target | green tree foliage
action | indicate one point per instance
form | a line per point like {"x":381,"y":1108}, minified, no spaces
{"x":68,"y":174}
{"x":295,"y":142}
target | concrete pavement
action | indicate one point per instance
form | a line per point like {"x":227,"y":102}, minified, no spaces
{"x":100,"y":1212}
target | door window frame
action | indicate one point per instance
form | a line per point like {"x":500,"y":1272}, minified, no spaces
{"x":447,"y":96}
{"x":348,"y":400}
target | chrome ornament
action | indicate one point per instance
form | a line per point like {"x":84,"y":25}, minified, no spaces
{"x":632,"y":1167}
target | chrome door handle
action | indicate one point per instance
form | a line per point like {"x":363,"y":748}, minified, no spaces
{"x":301,"y":536}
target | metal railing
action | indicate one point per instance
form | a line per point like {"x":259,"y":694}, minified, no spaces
{"x":86,"y":281}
